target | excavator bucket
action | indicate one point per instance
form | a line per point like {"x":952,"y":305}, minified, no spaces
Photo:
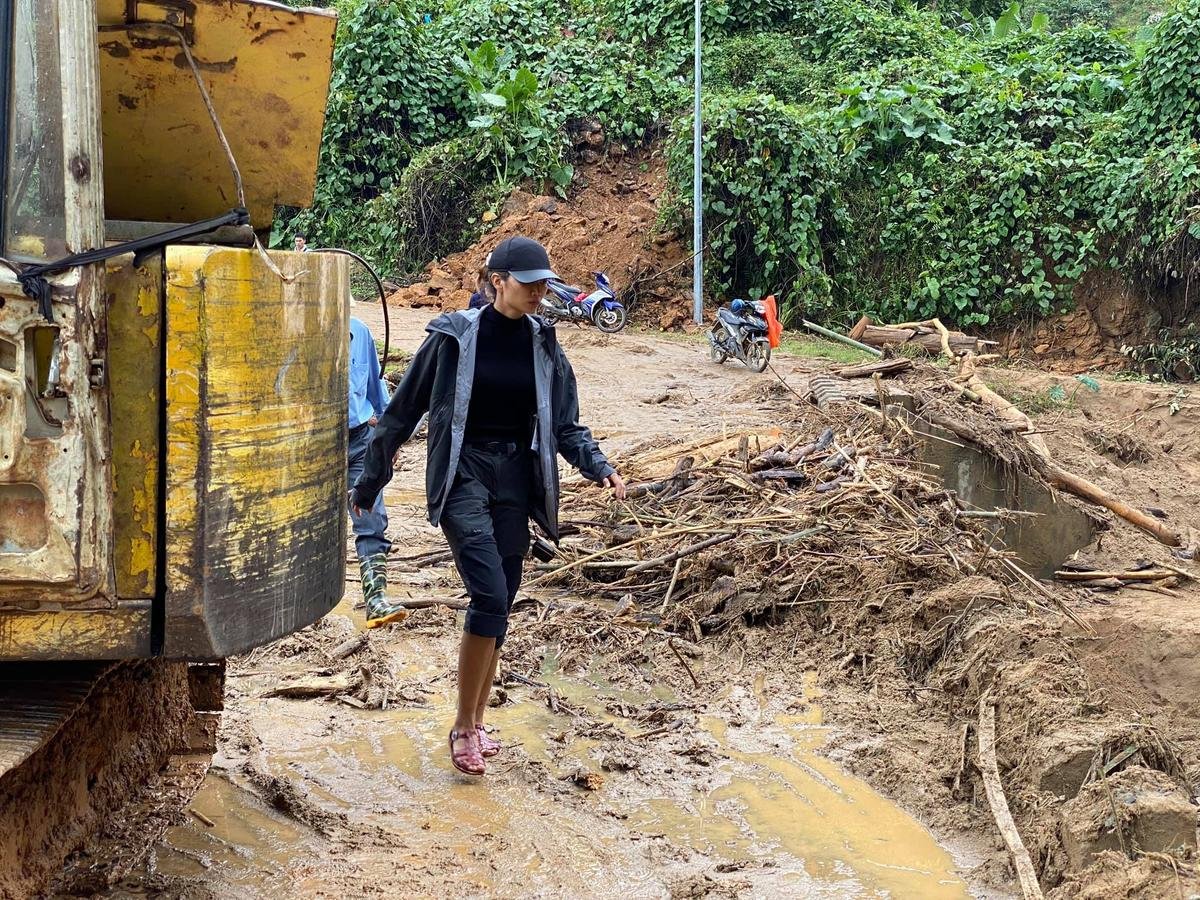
{"x":266,"y":68}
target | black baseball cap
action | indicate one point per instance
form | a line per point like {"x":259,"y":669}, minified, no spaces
{"x":523,"y":258}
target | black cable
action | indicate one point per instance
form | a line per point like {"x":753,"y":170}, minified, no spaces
{"x":387,"y":325}
{"x":33,"y":278}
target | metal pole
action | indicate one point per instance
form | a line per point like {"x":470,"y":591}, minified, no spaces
{"x":697,"y":196}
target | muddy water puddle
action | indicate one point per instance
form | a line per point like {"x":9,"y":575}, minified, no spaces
{"x":765,"y":807}
{"x":253,"y":848}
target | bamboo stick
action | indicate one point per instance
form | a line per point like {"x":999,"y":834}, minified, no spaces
{"x":1026,"y":874}
{"x":833,"y":335}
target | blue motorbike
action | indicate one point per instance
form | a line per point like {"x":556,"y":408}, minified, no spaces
{"x":571,"y":304}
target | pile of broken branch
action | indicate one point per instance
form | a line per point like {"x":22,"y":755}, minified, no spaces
{"x":839,"y":511}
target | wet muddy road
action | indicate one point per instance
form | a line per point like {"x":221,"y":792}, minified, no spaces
{"x":649,"y":773}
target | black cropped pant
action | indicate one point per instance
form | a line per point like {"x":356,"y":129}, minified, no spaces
{"x":486,"y":522}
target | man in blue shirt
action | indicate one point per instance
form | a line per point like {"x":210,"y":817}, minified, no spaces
{"x":368,"y":400}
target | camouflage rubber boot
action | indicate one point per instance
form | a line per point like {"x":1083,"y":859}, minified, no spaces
{"x":374,"y":586}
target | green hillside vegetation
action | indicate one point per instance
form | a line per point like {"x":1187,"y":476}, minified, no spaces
{"x":860,"y":155}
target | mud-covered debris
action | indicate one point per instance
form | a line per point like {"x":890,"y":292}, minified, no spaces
{"x":589,"y":781}
{"x":499,"y":697}
{"x":833,"y":510}
{"x":1135,"y":811}
{"x":291,"y":798}
{"x":620,"y":760}
{"x":316,"y":686}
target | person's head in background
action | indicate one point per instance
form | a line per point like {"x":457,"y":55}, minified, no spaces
{"x":483,"y":284}
{"x":484,"y":292}
{"x":301,"y":243}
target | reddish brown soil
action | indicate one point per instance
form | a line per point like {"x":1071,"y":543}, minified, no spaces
{"x":608,"y":226}
{"x":1109,"y":313}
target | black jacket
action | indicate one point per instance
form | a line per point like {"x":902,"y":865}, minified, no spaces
{"x":438,"y":382}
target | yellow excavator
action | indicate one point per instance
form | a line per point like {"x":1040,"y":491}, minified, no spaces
{"x":172,"y":395}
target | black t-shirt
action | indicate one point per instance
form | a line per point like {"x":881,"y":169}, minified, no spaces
{"x":503,"y":395}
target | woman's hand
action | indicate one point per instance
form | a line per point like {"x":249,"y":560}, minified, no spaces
{"x":617,"y":484}
{"x":353,"y":506}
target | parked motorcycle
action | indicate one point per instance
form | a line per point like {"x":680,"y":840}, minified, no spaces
{"x":571,"y":304}
{"x":746,"y":331}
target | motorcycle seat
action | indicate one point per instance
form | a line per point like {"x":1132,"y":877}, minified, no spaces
{"x":728,"y":317}
{"x":731,"y":318}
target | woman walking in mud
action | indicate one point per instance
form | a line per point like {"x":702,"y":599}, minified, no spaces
{"x":502,"y":405}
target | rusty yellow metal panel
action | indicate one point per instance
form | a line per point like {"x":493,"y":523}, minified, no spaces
{"x":266,"y":67}
{"x":122,"y":632}
{"x":134,"y":370}
{"x":256,"y":376}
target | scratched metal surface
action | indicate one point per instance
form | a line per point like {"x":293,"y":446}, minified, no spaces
{"x":256,"y":446}
{"x":266,"y":68}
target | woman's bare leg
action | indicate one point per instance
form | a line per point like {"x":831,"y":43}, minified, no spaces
{"x":476,"y":663}
{"x":486,"y":690}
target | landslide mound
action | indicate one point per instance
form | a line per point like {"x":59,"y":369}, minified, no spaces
{"x":608,"y":225}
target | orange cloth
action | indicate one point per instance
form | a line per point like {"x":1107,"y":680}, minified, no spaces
{"x":774,"y":326}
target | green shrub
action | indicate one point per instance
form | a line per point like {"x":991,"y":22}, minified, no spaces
{"x":969,"y":161}
{"x":1165,"y":101}
{"x":764,"y":62}
{"x":773,"y":214}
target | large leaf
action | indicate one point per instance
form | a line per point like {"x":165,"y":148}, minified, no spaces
{"x":1008,"y":23}
{"x":563,"y":174}
{"x":526,"y":83}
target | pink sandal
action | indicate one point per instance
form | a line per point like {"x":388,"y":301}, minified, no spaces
{"x":488,"y":747}
{"x":469,"y":761}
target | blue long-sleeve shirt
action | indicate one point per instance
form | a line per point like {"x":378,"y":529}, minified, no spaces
{"x":368,"y":393}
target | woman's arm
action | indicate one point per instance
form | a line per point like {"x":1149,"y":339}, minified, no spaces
{"x":398,"y":422}
{"x":575,"y":441}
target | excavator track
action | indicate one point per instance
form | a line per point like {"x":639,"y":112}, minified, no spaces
{"x":78,"y":741}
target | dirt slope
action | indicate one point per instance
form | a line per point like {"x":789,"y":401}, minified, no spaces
{"x":607,"y":225}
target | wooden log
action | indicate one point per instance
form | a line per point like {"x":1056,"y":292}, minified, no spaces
{"x":957,"y":428}
{"x":427,"y":603}
{"x":1054,"y":473}
{"x":1081,"y":487}
{"x":646,"y":488}
{"x":833,"y":484}
{"x":883,"y":367}
{"x":1141,"y":575}
{"x":679,"y":478}
{"x":349,"y":646}
{"x":928,"y":340}
{"x":931,"y":335}
{"x":686,"y":551}
{"x":988,"y":767}
{"x":772,"y":459}
{"x":833,"y":335}
{"x":315,"y":686}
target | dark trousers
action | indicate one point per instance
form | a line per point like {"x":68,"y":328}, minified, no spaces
{"x":486,"y":522}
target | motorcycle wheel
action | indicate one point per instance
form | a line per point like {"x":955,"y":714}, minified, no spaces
{"x":758,"y":357}
{"x":715,"y":353}
{"x":610,"y":321}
